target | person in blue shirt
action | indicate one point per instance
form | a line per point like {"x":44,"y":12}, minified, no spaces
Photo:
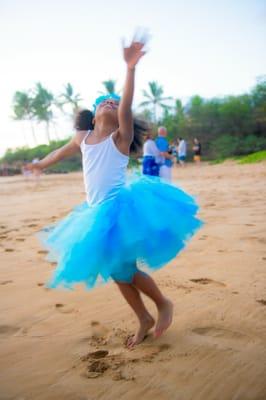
{"x":166,"y":162}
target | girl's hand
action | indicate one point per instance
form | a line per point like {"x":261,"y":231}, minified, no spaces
{"x":134,"y":52}
{"x":33,"y":167}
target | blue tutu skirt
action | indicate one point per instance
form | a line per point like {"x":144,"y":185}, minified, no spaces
{"x":145,"y":226}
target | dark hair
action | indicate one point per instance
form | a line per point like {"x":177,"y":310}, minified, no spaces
{"x":83,"y":120}
{"x":140,"y":128}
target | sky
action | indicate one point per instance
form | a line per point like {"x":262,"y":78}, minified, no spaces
{"x":205,"y":47}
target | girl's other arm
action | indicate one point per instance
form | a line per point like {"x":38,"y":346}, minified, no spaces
{"x":55,"y":156}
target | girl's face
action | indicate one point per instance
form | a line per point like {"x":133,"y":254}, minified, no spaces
{"x":108,"y":107}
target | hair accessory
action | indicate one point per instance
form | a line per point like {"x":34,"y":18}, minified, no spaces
{"x":100,"y":99}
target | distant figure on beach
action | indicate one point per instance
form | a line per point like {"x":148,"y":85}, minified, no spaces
{"x":25,"y":171}
{"x":182,"y":151}
{"x":124,"y":228}
{"x":151,"y":156}
{"x":37,"y":171}
{"x":166,"y":160}
{"x":197,"y":151}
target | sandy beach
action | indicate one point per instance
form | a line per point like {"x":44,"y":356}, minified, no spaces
{"x":69,"y":345}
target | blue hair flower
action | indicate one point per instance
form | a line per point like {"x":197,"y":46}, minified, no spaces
{"x":100,"y":99}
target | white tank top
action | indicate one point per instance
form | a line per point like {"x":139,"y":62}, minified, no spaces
{"x":104,"y":169}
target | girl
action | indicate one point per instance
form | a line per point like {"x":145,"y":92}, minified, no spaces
{"x":123,"y":228}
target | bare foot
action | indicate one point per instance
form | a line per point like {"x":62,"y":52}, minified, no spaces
{"x":141,"y":333}
{"x":164,"y":318}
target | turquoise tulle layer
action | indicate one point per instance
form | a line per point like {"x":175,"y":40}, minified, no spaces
{"x":148,"y":222}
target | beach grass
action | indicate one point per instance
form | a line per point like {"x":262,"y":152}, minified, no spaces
{"x":253,"y":158}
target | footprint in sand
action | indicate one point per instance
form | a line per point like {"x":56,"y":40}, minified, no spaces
{"x":95,"y":355}
{"x":40,"y":284}
{"x":203,"y":237}
{"x":5,"y":282}
{"x":95,"y":323}
{"x":102,"y":360}
{"x":32,"y":225}
{"x":9,"y":250}
{"x":171,"y":284}
{"x":254,"y":238}
{"x":59,"y":305}
{"x":2,"y":237}
{"x":206,"y":281}
{"x":8,"y":330}
{"x":20,"y":239}
{"x":43,"y":252}
{"x":217,"y":334}
{"x":65,"y":309}
{"x":262,"y":301}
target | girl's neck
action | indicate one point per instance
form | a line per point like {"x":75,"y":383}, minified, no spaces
{"x":104,"y":128}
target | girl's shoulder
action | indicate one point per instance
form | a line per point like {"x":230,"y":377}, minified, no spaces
{"x":80,"y":136}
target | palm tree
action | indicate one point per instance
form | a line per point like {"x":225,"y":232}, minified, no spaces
{"x":42,"y":106}
{"x":109,"y":86}
{"x":69,"y":98}
{"x":155,"y":98}
{"x":22,"y":107}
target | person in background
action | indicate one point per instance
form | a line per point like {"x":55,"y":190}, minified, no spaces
{"x":197,"y":151}
{"x":166,"y":156}
{"x":151,"y":156}
{"x":36,"y":172}
{"x":182,"y":151}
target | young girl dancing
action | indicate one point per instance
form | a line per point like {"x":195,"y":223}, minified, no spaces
{"x":124,"y":228}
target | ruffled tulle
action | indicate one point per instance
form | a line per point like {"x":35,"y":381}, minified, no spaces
{"x":148,"y":222}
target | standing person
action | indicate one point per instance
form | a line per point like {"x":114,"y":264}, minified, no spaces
{"x":166,"y":160}
{"x":182,"y":151}
{"x":36,"y":171}
{"x":151,"y":156}
{"x":197,"y":151}
{"x":122,"y":226}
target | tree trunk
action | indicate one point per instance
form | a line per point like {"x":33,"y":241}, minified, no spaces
{"x":55,"y":132}
{"x":154,"y":113}
{"x":33,"y":133}
{"x":24,"y":133}
{"x":48,"y":133}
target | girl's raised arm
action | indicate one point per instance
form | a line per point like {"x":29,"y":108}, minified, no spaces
{"x":132,"y":54}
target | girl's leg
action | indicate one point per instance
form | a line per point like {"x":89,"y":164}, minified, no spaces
{"x":146,"y":285}
{"x":132,"y":296}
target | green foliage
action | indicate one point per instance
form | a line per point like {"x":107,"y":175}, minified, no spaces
{"x":232,"y":126}
{"x":27,"y":154}
{"x":42,"y":103}
{"x":229,"y":126}
{"x":228,"y":146}
{"x":109,"y":86}
{"x":68,"y":98}
{"x":253,"y":158}
{"x":154,"y":98}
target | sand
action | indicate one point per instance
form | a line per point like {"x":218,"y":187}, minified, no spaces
{"x":69,"y":345}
